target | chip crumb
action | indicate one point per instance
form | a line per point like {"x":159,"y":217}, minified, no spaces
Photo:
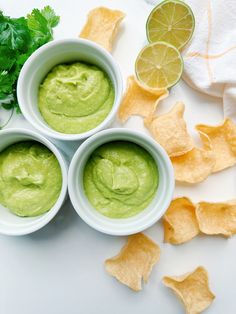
{"x":217,"y":218}
{"x":180,"y":222}
{"x":138,"y":100}
{"x":102,"y":26}
{"x":135,"y":261}
{"x":192,"y":289}
{"x":223,"y":140}
{"x":170,"y":131}
{"x":196,"y":165}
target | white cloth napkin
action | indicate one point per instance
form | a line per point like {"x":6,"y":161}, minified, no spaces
{"x":210,"y":58}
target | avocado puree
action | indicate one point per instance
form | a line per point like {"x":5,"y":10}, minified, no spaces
{"x":75,"y":98}
{"x":120,"y":179}
{"x":30,"y":178}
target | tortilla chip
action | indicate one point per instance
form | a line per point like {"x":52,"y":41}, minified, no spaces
{"x":102,"y":26}
{"x":139,"y":100}
{"x":217,"y":218}
{"x":196,"y":165}
{"x":192,"y":289}
{"x":180,"y":222}
{"x":170,"y":131}
{"x":134,"y":262}
{"x":223,"y":139}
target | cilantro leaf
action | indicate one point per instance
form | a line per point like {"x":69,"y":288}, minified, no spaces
{"x":38,"y":28}
{"x":50,"y":16}
{"x":6,"y":82}
{"x":41,"y":23}
{"x":14,"y":33}
{"x":8,"y":99}
{"x":19,"y":38}
{"x":7,"y":58}
{"x":7,"y":106}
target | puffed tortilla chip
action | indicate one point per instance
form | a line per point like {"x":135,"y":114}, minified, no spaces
{"x":196,"y":165}
{"x":170,"y":131}
{"x":138,"y":100}
{"x":223,"y":139}
{"x":134,"y":262}
{"x":192,"y":289}
{"x":102,"y":26}
{"x":217,"y":218}
{"x":180,"y":222}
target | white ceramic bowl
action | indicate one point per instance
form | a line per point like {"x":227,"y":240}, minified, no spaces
{"x":43,"y":60}
{"x":11,"y":224}
{"x":133,"y":224}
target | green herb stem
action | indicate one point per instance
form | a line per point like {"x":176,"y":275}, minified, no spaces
{"x":8,"y":120}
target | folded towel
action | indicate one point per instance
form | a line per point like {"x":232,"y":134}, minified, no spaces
{"x":210,"y":58}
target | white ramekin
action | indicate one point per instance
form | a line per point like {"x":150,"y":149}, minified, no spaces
{"x":133,"y":224}
{"x":43,"y":60}
{"x":11,"y":224}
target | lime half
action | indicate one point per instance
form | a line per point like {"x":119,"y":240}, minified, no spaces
{"x":171,"y":21}
{"x":159,"y":66}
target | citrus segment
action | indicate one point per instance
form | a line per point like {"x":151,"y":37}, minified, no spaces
{"x":171,"y":21}
{"x":159,"y":66}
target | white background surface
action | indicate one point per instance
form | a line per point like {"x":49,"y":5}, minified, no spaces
{"x":59,"y":269}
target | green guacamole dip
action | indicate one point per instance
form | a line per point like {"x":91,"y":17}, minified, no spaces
{"x":75,"y":98}
{"x":30,"y":178}
{"x":120,"y":179}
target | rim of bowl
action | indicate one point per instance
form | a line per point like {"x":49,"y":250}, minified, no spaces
{"x":44,"y":219}
{"x":53,"y":133}
{"x":100,"y":223}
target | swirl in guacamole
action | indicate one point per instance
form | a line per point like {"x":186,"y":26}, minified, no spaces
{"x":75,"y":98}
{"x":120,"y":179}
{"x":30,"y":178}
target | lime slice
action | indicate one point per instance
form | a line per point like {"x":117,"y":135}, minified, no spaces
{"x":159,"y":66}
{"x":171,"y":21}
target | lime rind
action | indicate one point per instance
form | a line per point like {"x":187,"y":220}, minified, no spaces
{"x":179,"y":56}
{"x":184,"y":44}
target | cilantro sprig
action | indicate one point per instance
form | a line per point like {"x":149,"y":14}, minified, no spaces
{"x":19,"y":38}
